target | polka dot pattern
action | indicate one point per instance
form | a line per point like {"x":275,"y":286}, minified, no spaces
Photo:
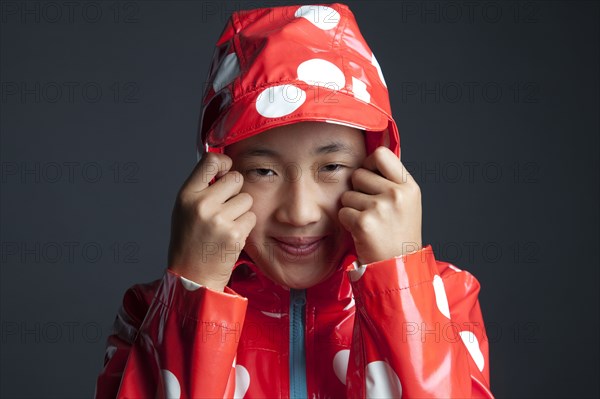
{"x":472,"y":344}
{"x":227,"y":72}
{"x":360,"y":90}
{"x":189,"y":284}
{"x":278,"y":101}
{"x":340,"y":364}
{"x":172,"y":387}
{"x":278,"y":65}
{"x":382,"y":381}
{"x":440,"y":296}
{"x":322,"y":17}
{"x":319,"y":72}
{"x":242,"y":381}
{"x":358,"y":272}
{"x":379,"y":71}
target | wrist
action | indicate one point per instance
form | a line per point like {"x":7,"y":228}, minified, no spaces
{"x":200,"y":279}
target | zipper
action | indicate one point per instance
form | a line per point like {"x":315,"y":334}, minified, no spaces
{"x":297,"y":352}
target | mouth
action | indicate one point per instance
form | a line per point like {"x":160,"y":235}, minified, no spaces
{"x":299,"y":246}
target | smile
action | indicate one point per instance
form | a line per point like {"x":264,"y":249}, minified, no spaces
{"x":299,"y":246}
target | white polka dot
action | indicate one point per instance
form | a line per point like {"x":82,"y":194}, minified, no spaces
{"x":272,"y":314}
{"x":189,"y":284}
{"x":322,"y":17}
{"x":242,"y":381}
{"x":277,"y":101}
{"x":227,"y":72}
{"x":472,"y":344}
{"x":360,"y":90}
{"x":340,"y":364}
{"x":172,"y":388}
{"x":356,"y":274}
{"x":319,"y":72}
{"x":440,"y":296}
{"x":376,"y":65}
{"x":382,"y":381}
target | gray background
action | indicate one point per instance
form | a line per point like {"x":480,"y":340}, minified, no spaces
{"x":497,"y":104}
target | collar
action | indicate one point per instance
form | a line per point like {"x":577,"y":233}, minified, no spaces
{"x":263,"y":293}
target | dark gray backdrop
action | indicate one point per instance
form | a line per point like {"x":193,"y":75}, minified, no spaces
{"x":497,"y":104}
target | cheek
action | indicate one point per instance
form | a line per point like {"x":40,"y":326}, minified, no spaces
{"x":333,"y":194}
{"x":261,"y":203}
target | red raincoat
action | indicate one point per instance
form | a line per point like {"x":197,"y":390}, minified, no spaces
{"x":409,"y":326}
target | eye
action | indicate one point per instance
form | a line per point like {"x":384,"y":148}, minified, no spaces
{"x":265,"y":172}
{"x":332,"y":167}
{"x":261,"y":172}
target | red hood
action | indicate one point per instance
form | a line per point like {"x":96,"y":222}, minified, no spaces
{"x":281,"y":65}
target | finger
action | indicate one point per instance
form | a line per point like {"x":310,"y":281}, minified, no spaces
{"x":246,"y":222}
{"x":226,"y":187}
{"x":348,"y":217}
{"x":236,"y":206}
{"x":210,"y":166}
{"x":369,"y":182}
{"x":357,"y":200}
{"x":388,"y":164}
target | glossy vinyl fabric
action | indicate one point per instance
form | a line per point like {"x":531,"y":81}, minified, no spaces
{"x":408,"y":326}
{"x":404,"y":327}
{"x":281,"y":65}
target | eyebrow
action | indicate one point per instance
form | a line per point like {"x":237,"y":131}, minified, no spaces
{"x":329,"y":148}
{"x":336,"y":146}
{"x":259,"y":152}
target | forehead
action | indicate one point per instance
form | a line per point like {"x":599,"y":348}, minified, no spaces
{"x":304,"y":138}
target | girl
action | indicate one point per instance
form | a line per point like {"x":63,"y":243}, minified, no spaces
{"x":296,"y":267}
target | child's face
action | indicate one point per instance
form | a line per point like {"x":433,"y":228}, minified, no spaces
{"x":296,"y":175}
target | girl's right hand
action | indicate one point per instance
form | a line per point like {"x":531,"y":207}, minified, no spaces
{"x":210,"y":223}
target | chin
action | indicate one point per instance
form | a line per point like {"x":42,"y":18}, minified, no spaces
{"x":297,"y":275}
{"x":302,"y":281}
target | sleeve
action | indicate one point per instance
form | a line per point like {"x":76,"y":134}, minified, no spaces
{"x":179,"y":342}
{"x":418,"y":331}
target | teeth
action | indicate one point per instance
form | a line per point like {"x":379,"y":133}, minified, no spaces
{"x":304,"y":245}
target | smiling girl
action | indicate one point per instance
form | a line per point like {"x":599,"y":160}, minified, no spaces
{"x":296,"y":267}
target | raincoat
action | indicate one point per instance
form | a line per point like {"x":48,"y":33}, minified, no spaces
{"x":409,"y":326}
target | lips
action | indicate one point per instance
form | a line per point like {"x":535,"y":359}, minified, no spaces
{"x":299,"y":246}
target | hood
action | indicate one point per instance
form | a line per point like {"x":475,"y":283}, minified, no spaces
{"x":281,"y":65}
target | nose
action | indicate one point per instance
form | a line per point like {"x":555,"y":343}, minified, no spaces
{"x":300,"y":202}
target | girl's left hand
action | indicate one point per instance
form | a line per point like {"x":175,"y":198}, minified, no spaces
{"x":383,"y":211}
